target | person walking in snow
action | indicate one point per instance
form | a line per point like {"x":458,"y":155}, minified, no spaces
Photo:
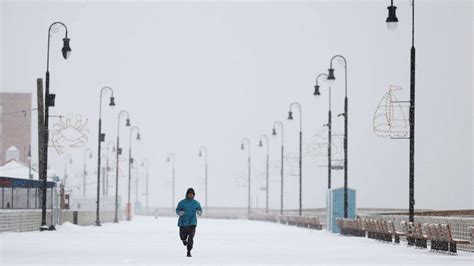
{"x":187,"y":222}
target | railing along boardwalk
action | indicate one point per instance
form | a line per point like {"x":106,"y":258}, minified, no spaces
{"x":419,"y":235}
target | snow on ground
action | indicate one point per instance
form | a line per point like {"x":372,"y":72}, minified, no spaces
{"x":147,"y":240}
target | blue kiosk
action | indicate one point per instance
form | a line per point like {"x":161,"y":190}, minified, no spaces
{"x":335,"y":207}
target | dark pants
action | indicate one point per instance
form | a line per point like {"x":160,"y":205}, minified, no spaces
{"x":186,"y":233}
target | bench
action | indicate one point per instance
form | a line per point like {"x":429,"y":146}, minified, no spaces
{"x":314,"y":223}
{"x":352,"y":227}
{"x":452,"y":241}
{"x":421,"y":239}
{"x":393,"y":232}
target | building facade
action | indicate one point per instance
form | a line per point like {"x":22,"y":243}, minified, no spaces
{"x":15,"y":124}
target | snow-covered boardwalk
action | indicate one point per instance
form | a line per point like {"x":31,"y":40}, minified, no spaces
{"x":147,"y":240}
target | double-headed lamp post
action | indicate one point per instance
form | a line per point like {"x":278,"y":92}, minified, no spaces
{"x":290,"y":117}
{"x":101,"y":138}
{"x":282,"y":159}
{"x":87,"y":154}
{"x":171,"y":159}
{"x":246,"y":143}
{"x":264,"y":138}
{"x":331,"y":80}
{"x":203,"y":153}
{"x":117,"y":159}
{"x":49,"y":102}
{"x":392,"y":22}
{"x":130,"y":162}
{"x":329,"y":124}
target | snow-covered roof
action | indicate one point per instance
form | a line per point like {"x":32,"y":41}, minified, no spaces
{"x":12,"y":148}
{"x":16,"y":169}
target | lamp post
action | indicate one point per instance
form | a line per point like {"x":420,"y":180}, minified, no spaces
{"x":117,"y":159}
{"x":86,"y":151}
{"x":274,"y":133}
{"x":30,"y":176}
{"x":101,"y":138}
{"x":49,"y":102}
{"x":145,"y":165}
{"x":290,"y":117}
{"x":392,"y":21}
{"x":171,"y":159}
{"x":267,"y":144}
{"x":242,"y":147}
{"x":203,"y":153}
{"x":331,"y":79}
{"x":107,"y":167}
{"x":130,"y":161}
{"x":329,"y":124}
{"x":67,"y":160}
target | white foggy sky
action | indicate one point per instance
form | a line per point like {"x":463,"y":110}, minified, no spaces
{"x":209,"y":73}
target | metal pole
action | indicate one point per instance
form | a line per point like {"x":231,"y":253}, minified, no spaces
{"x":100,"y":139}
{"x":301,"y":173}
{"x":203,"y":149}
{"x":129,"y":211}
{"x":49,"y":100}
{"x":282,"y":174}
{"x":99,"y":142}
{"x":84,"y":180}
{"x":107,"y":175}
{"x":281,"y":160}
{"x":267,"y":143}
{"x":329,"y":147}
{"x":346,"y":198}
{"x":412,"y":121}
{"x":136,"y":186}
{"x":174,"y":186}
{"x":147,"y":187}
{"x":117,"y":158}
{"x":346,"y":118}
{"x":205,"y":172}
{"x":29,"y":177}
{"x":249,"y":186}
{"x":247,"y":140}
{"x":267,"y":177}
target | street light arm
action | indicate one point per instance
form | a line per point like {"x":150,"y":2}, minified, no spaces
{"x":319,"y":76}
{"x":298,"y":105}
{"x":49,"y":38}
{"x":329,"y":87}
{"x":345,"y":69}
{"x":108,"y":144}
{"x":247,"y":140}
{"x":281,"y":128}
{"x":100,"y":100}
{"x":203,"y":149}
{"x":118,"y":120}
{"x":131,"y":133}
{"x":171,"y":158}
{"x":85,"y":153}
{"x":265,"y":137}
{"x":67,"y":156}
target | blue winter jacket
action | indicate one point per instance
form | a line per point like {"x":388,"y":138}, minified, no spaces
{"x":190,"y":207}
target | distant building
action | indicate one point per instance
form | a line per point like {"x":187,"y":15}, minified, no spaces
{"x":15,"y":124}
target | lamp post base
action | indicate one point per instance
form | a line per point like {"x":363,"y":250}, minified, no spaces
{"x":43,"y":228}
{"x":97,"y":223}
